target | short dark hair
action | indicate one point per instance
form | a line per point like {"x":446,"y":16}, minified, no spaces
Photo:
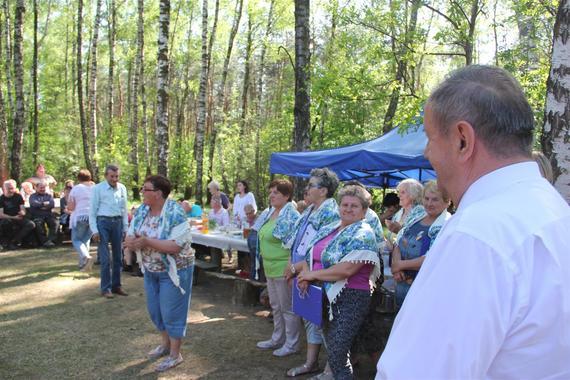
{"x":283,"y":186}
{"x":245,"y":185}
{"x":161,"y":183}
{"x":111,"y":168}
{"x":390,"y":199}
{"x":493,"y":102}
{"x":327,"y":179}
{"x":84,"y":175}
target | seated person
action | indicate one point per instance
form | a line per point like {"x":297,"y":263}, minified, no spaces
{"x":193,"y":210}
{"x":26,"y":190}
{"x":218,"y":214}
{"x":41,"y":206}
{"x":390,"y":206}
{"x":65,"y":213}
{"x":12,"y":216}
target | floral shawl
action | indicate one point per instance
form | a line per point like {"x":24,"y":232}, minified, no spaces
{"x":173,"y":225}
{"x":327,"y":213}
{"x":283,"y":227}
{"x":355,"y":243}
{"x":372,"y":218}
{"x":433,"y":229}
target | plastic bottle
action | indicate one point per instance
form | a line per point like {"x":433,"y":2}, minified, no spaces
{"x":205,"y":222}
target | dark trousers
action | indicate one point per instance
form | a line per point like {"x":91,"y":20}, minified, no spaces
{"x":41,"y":233}
{"x":14,"y":230}
{"x":110,"y":231}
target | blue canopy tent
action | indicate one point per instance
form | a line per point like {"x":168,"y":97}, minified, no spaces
{"x":382,"y":162}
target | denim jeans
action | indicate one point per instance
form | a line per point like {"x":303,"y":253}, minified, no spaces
{"x":81,"y":238}
{"x":166,"y":305}
{"x":110,"y":231}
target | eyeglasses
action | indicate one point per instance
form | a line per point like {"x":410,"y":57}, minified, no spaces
{"x":143,"y":189}
{"x":313,"y":186}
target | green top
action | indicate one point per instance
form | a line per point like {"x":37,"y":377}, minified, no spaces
{"x":275,"y":257}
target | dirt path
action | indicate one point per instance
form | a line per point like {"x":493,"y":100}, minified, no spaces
{"x":54,"y":324}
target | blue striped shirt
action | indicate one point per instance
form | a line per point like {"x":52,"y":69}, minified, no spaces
{"x":108,"y":201}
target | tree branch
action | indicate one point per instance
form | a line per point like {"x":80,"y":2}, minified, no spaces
{"x":289,"y":55}
{"x":441,"y":14}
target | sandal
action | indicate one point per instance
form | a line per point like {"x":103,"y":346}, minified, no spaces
{"x":158,"y":352}
{"x":168,"y":363}
{"x":303,"y":370}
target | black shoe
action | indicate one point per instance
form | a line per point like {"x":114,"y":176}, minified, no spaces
{"x":13,"y":246}
{"x":127,"y":268}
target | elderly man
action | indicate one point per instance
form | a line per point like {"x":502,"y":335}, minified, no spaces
{"x":41,"y":206}
{"x":492,"y":299}
{"x":12,"y":216}
{"x":108,"y":220}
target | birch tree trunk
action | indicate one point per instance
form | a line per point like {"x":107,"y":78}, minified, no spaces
{"x":556,"y":128}
{"x":82,"y":121}
{"x":35,"y":95}
{"x":201,"y":120}
{"x":112,"y":31}
{"x":245,"y":93}
{"x":137,"y":78}
{"x":3,"y":129}
{"x":142,"y":88}
{"x":19,"y":117}
{"x":162,"y":89}
{"x":302,"y":111}
{"x":93,"y":91}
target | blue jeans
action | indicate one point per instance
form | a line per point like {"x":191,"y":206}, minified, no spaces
{"x":110,"y":231}
{"x":81,"y":238}
{"x":166,"y":305}
{"x":401,"y":292}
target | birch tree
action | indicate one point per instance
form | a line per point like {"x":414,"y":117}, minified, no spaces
{"x":8,"y":61}
{"x":93,"y":90}
{"x":137,"y":79}
{"x":82,"y":122}
{"x":556,"y":128}
{"x":20,"y":114}
{"x":3,"y":128}
{"x":112,"y":31}
{"x":35,"y":94}
{"x":162,"y":89}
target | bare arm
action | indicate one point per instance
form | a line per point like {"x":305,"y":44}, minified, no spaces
{"x":398,"y":264}
{"x":337,"y":272}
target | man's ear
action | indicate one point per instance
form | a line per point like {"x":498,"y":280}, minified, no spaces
{"x":464,"y":137}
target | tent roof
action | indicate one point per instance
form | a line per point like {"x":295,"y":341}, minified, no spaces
{"x":382,"y":162}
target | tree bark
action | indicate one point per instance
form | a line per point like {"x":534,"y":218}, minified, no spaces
{"x":112,"y":31}
{"x":7,"y":31}
{"x":82,"y":121}
{"x":201,"y":122}
{"x":36,"y":147}
{"x":302,"y":111}
{"x":556,"y":128}
{"x":162,"y":88}
{"x":245,"y":93}
{"x":93,"y":91}
{"x":4,"y":170}
{"x":19,"y":117}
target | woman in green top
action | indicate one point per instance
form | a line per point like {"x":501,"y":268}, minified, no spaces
{"x":274,"y":227}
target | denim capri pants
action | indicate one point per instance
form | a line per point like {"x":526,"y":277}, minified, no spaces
{"x":167,"y":306}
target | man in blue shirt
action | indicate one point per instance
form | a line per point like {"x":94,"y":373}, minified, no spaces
{"x":108,"y":220}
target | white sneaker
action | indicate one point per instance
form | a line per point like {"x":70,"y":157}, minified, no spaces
{"x":267,"y":345}
{"x":284,"y":351}
{"x":88,"y":265}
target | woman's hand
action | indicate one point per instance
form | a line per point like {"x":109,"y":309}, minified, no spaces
{"x":307,"y":276}
{"x":303,"y":286}
{"x":398,"y":276}
{"x":135,"y":242}
{"x":394,"y":227}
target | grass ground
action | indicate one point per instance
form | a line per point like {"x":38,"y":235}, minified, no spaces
{"x":54,"y":324}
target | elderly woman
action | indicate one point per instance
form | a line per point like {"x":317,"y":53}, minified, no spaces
{"x":218,"y":214}
{"x":323,"y":210}
{"x":416,"y":238}
{"x":242,"y":198}
{"x":214,"y":189}
{"x":78,"y":204}
{"x":274,"y":225}
{"x":160,"y":235}
{"x":345,"y":258}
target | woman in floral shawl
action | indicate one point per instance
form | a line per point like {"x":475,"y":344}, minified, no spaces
{"x":160,"y":235}
{"x":274,"y":226}
{"x":416,"y":238}
{"x":345,"y":259}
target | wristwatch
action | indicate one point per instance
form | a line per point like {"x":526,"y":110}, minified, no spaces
{"x":293,"y":270}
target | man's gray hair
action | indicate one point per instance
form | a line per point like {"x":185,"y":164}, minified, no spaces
{"x":327,"y":179}
{"x":493,"y":102}
{"x":111,"y":168}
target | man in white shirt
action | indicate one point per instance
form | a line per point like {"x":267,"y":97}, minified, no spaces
{"x":492,"y":299}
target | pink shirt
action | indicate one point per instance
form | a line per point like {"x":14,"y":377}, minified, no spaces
{"x":318,"y":250}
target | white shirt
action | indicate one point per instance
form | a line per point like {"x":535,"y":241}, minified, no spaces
{"x":240,"y":202}
{"x":222,"y":217}
{"x":81,"y":195}
{"x":492,"y":299}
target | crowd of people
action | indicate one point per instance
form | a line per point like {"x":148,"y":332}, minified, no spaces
{"x":483,"y":293}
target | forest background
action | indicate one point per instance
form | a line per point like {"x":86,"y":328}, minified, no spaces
{"x":202,"y":89}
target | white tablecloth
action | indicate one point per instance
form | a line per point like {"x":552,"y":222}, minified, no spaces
{"x":220,"y":240}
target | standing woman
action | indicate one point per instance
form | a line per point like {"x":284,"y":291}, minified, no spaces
{"x":160,"y":235}
{"x":78,"y":204}
{"x":242,"y":198}
{"x":345,"y":258}
{"x":274,"y":227}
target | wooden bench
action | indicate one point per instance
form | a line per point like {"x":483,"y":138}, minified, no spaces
{"x":245,"y":291}
{"x":200,"y":266}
